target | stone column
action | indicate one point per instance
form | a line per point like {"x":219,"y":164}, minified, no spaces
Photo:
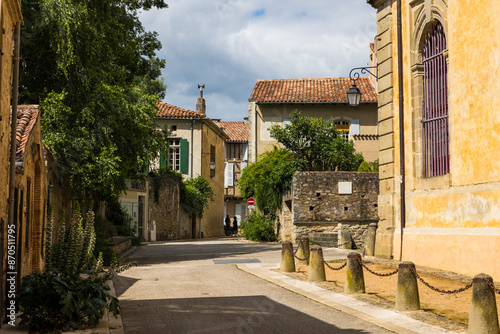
{"x":316,"y":265}
{"x":483,"y":316}
{"x":354,"y":279}
{"x":287,"y":260}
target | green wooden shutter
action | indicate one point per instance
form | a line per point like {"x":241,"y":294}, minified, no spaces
{"x":184,"y":156}
{"x":163,"y":159}
{"x":144,"y":169}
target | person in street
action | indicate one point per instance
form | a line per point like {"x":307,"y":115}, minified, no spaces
{"x":235,"y":226}
{"x":227,"y":227}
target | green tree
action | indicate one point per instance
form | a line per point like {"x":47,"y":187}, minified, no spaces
{"x":196,"y":194}
{"x":308,"y":144}
{"x":269,"y":177}
{"x":318,"y":143}
{"x":92,"y":68}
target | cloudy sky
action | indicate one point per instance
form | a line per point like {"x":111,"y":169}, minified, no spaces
{"x":229,"y":44}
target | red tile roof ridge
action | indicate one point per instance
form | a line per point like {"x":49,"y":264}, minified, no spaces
{"x":27,"y":116}
{"x":237,"y":131}
{"x":166,"y":110}
{"x":310,"y":90}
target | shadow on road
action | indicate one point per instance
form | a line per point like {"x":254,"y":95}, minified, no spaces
{"x":176,"y":251}
{"x":245,"y":314}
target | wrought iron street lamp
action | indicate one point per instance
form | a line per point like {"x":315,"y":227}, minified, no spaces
{"x":354,"y":94}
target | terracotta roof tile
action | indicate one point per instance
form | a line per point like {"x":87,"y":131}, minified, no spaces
{"x":27,"y":116}
{"x":169,"y":111}
{"x":235,"y":130}
{"x":327,"y":90}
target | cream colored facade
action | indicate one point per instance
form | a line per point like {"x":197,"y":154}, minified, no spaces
{"x":452,"y":220}
{"x":205,"y":143}
{"x":362,"y":125}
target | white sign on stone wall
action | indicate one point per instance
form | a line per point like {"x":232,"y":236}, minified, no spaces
{"x":345,"y":188}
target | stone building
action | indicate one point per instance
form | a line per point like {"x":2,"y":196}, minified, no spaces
{"x":272,"y":101}
{"x":323,"y":203}
{"x":451,"y":132}
{"x":11,"y":14}
{"x":196,"y":147}
{"x":236,"y":159}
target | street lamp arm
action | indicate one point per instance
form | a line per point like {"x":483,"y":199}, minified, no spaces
{"x":357,"y":71}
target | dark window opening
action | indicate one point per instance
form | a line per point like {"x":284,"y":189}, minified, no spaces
{"x":311,"y":208}
{"x":346,"y":208}
{"x":435,"y":104}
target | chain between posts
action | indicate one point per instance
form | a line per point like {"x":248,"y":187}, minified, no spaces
{"x":377,"y":274}
{"x":468,"y":286}
{"x":332,"y":268}
{"x":492,"y":285}
{"x":295,"y":253}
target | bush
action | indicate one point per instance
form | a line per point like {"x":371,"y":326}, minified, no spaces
{"x":258,"y":227}
{"x":69,"y":293}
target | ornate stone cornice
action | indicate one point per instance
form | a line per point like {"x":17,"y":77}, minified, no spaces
{"x":376,"y":3}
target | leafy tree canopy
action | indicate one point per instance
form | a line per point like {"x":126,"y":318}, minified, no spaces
{"x":318,"y":143}
{"x":92,"y":68}
{"x":308,"y":144}
{"x":269,"y":177}
{"x":196,"y":194}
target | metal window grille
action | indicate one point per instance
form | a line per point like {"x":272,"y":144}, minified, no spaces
{"x":435,"y":104}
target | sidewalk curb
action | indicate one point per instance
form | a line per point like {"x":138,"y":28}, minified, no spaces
{"x":387,"y":319}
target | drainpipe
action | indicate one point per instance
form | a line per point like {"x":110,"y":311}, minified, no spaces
{"x":401,"y":125}
{"x":192,"y":153}
{"x":12,"y":167}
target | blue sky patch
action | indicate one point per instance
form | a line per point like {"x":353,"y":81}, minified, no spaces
{"x":258,"y":12}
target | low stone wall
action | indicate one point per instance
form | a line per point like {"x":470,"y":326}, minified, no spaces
{"x":328,"y":234}
{"x":120,"y":244}
{"x":328,"y":202}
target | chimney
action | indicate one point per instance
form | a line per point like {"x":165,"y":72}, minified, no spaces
{"x":200,"y":103}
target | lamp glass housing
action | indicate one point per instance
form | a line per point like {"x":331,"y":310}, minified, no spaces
{"x":354,"y":96}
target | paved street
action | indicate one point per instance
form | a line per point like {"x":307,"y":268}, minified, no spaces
{"x":195,"y":287}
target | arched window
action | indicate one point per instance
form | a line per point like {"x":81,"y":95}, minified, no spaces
{"x":435,"y":103}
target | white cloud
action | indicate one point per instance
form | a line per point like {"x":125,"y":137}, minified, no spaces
{"x":229,"y":44}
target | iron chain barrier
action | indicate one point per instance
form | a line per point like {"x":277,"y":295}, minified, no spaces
{"x":414,"y":272}
{"x":492,"y":285}
{"x":295,"y":253}
{"x":374,"y":273}
{"x":332,"y":268}
{"x":468,"y":286}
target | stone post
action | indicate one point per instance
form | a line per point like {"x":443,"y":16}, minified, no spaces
{"x":287,"y":260}
{"x":345,"y":239}
{"x":316,"y":265}
{"x":354,"y":279}
{"x":370,"y":239}
{"x":483,"y":316}
{"x":407,"y":298}
{"x":303,"y":252}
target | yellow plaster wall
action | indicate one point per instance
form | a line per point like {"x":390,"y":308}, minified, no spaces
{"x":468,"y":254}
{"x":464,"y":205}
{"x":212,"y":223}
{"x":474,"y":48}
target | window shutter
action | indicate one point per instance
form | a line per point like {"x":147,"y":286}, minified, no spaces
{"x":243,"y":165}
{"x":228,"y":182}
{"x":245,"y":152}
{"x":354,"y":128}
{"x":163,"y":159}
{"x":184,"y":156}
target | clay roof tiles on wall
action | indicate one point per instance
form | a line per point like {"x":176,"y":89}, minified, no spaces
{"x":27,"y":116}
{"x":236,"y":131}
{"x":169,"y":111}
{"x":326,"y":90}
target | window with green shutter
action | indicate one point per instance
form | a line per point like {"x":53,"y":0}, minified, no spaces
{"x":184,"y":156}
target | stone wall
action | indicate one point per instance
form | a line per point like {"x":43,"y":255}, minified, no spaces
{"x":164,"y":207}
{"x":327,"y":202}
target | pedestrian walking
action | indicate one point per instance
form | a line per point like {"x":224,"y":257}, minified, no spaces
{"x":227,"y":227}
{"x":235,"y":226}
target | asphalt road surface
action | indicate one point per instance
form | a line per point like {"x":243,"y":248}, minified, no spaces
{"x":196,"y":287}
